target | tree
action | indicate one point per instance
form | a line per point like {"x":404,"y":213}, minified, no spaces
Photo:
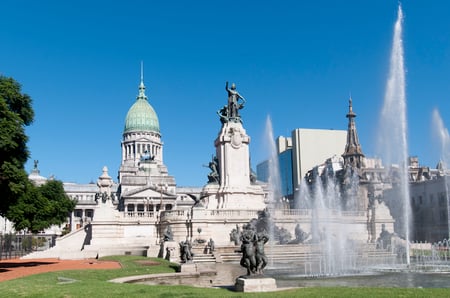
{"x":15,"y":113}
{"x":41,"y":207}
{"x":29,"y":207}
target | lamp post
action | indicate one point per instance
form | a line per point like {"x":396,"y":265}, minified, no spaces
{"x":162,"y":188}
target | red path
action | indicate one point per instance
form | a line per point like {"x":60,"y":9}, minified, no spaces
{"x":16,"y":268}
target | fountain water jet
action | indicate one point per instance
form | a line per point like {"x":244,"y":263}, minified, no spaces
{"x":393,"y":132}
{"x":444,"y":139}
{"x":274,"y":179}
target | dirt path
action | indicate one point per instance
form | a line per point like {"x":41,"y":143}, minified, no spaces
{"x":11,"y":269}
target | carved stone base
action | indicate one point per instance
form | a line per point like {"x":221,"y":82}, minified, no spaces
{"x":255,"y":284}
{"x":171,"y":251}
{"x":188,"y":268}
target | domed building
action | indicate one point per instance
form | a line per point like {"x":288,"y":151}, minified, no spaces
{"x":145,"y":185}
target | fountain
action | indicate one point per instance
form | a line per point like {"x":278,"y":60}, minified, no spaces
{"x":393,"y":132}
{"x":335,"y":201}
{"x":331,"y":201}
{"x":342,"y":217}
{"x":444,"y":139}
{"x":326,"y":206}
{"x":274,"y":180}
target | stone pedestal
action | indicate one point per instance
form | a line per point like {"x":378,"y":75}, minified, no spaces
{"x":171,"y":251}
{"x":188,"y":268}
{"x":255,"y":284}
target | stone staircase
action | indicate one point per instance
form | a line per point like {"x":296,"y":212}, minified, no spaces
{"x":308,"y":256}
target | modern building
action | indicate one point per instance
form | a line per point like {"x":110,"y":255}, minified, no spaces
{"x":305,"y":149}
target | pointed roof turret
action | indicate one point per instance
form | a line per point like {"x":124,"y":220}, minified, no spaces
{"x":141,"y":85}
{"x":353,"y":154}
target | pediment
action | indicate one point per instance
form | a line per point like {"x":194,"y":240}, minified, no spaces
{"x":147,"y":192}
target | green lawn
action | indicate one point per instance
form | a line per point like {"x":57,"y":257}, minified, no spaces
{"x":94,"y":283}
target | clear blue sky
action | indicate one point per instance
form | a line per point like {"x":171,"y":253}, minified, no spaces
{"x":297,"y":61}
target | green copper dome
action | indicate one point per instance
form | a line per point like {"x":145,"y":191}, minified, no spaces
{"x":141,"y":116}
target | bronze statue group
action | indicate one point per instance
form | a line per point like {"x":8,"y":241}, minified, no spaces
{"x":252,"y":247}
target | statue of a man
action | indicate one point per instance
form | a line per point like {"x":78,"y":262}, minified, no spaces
{"x":233,"y":101}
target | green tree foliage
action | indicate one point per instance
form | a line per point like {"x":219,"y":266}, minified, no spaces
{"x":15,"y":113}
{"x":29,"y":207}
{"x":40,"y":207}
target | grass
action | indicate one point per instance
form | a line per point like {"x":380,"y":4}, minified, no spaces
{"x":94,"y":283}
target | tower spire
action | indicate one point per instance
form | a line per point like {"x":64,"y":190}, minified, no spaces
{"x":353,"y":154}
{"x":142,"y":72}
{"x":141,"y":85}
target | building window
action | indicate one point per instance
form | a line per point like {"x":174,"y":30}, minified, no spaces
{"x":89,"y":213}
{"x":130,"y":207}
{"x":78,"y":213}
{"x":140,"y":207}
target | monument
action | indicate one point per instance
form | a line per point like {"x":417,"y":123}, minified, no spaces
{"x":231,"y":196}
{"x":230,"y":184}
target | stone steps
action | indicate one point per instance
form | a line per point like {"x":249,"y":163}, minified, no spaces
{"x":305,"y":253}
{"x":118,"y":249}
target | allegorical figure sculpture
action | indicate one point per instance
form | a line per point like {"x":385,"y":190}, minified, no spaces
{"x":261,"y":258}
{"x":252,"y":248}
{"x":235,"y":235}
{"x":186,"y":251}
{"x":384,"y":241}
{"x":235,"y":103}
{"x":300,"y":235}
{"x":213,"y":176}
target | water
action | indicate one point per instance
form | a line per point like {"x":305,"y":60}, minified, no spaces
{"x":329,"y":229}
{"x":302,"y":199}
{"x":402,"y":279}
{"x":274,"y":180}
{"x":443,"y":137}
{"x":326,"y":203}
{"x":444,"y":140}
{"x":393,"y":132}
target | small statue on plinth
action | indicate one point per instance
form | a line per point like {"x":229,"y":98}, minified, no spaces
{"x":385,"y":238}
{"x":235,"y":235}
{"x":186,"y":251}
{"x":211,"y":246}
